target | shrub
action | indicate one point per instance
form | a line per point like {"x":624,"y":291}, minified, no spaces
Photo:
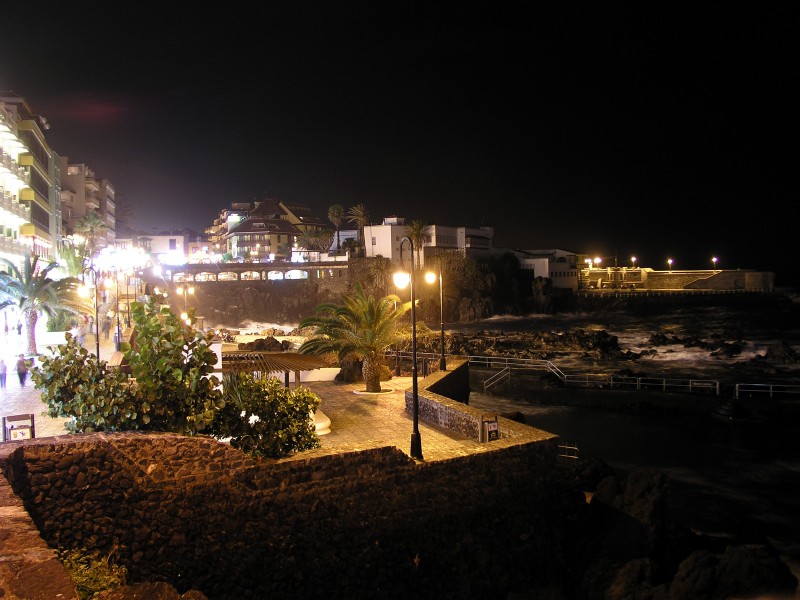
{"x":264,"y":418}
{"x":91,"y":572}
{"x":74,"y":383}
{"x":173,"y":364}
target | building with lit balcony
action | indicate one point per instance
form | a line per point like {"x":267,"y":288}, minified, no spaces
{"x":30,"y":215}
{"x":83,"y":192}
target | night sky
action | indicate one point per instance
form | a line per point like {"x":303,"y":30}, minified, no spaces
{"x":600,"y":129}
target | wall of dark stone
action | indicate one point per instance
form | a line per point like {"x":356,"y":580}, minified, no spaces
{"x":199,"y":514}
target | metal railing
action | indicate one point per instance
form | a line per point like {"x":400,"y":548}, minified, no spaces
{"x":497,"y":378}
{"x":770,"y":389}
{"x":507,"y":365}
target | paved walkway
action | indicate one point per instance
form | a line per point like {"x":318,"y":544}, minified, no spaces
{"x":358,"y":420}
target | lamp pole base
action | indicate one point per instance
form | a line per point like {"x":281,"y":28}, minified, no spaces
{"x":442,"y":364}
{"x":416,"y":446}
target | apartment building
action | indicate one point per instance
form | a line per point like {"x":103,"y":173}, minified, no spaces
{"x":83,"y":192}
{"x":30,"y":217}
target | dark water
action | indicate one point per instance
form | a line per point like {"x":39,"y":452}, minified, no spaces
{"x":730,"y":478}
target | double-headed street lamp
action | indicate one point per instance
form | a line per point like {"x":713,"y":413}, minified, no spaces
{"x":430,"y":277}
{"x":402,"y":279}
{"x":89,"y":272}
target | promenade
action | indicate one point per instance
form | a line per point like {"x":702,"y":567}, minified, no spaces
{"x":358,"y":420}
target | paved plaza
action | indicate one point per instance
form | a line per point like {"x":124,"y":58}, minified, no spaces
{"x":358,"y":420}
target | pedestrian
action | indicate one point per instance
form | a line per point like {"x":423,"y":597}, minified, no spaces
{"x":22,"y":370}
{"x":3,"y":369}
{"x":81,"y":335}
{"x":19,"y":327}
{"x":106,"y":326}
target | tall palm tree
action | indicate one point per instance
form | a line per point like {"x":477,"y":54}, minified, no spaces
{"x":92,"y":228}
{"x":360,"y":218}
{"x":417,"y":232}
{"x":362,"y":329}
{"x":336,"y":215}
{"x":34,"y":292}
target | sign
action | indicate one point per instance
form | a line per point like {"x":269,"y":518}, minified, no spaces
{"x":23,"y":432}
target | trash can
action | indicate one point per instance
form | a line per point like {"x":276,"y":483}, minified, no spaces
{"x":489,"y":428}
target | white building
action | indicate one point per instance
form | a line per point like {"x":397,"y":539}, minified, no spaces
{"x":385,"y":240}
{"x":560,"y":266}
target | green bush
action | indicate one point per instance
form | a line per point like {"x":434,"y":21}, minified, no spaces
{"x":264,"y":418}
{"x":91,"y":572}
{"x":74,"y":383}
{"x":173,"y":364}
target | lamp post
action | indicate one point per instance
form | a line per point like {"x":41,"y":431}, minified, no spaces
{"x":185,"y":290}
{"x":118,"y":334}
{"x":430,"y":277}
{"x":89,"y":271}
{"x":714,"y":262}
{"x":669,"y":263}
{"x":401,"y":280}
{"x":633,"y":262}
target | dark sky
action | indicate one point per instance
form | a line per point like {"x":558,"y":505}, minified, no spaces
{"x":655,"y":129}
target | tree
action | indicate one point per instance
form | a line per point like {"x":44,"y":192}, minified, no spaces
{"x":417,"y":232}
{"x":362,"y":329}
{"x":360,"y":218}
{"x":72,"y":255}
{"x":35,"y":292}
{"x":336,"y":215}
{"x":318,"y":241}
{"x":92,"y":228}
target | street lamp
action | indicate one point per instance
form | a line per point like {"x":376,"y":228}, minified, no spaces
{"x":118,"y":335}
{"x":669,"y":263}
{"x":633,"y":262}
{"x":92,"y":274}
{"x":184,"y":291}
{"x":430,"y":277}
{"x":714,"y":261}
{"x":401,"y":280}
{"x":597,"y":261}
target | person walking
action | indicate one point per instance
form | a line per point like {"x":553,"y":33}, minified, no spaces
{"x":22,"y":370}
{"x":3,"y":370}
{"x":106,"y":326}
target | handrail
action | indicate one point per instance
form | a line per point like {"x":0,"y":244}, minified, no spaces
{"x":605,"y":381}
{"x":497,"y":378}
{"x":771,"y":389}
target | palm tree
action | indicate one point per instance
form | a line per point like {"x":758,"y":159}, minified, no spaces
{"x":336,"y":216}
{"x":379,"y":270}
{"x":362,"y":329}
{"x":34,"y":292}
{"x":92,"y":228}
{"x":417,"y":232}
{"x":358,"y":216}
{"x":319,"y":241}
{"x":72,"y":255}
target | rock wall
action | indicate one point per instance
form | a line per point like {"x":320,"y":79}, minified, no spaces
{"x":199,"y":514}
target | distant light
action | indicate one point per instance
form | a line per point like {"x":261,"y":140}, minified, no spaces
{"x":430,"y":276}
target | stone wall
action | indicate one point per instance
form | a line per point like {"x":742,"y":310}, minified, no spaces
{"x":200,"y":514}
{"x":440,"y":410}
